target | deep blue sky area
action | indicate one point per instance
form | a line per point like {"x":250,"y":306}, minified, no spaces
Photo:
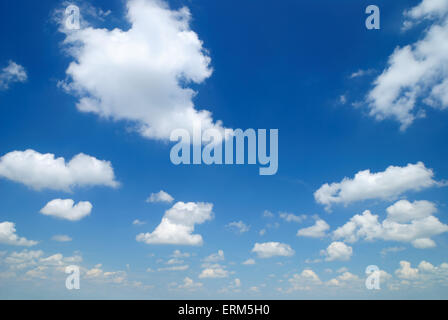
{"x":283,"y":65}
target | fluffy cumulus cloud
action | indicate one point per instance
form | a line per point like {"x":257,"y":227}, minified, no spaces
{"x":417,"y":74}
{"x":143,"y":74}
{"x":384,"y":185}
{"x":405,"y":222}
{"x":67,"y":209}
{"x":44,"y":171}
{"x":178,"y":224}
{"x":160,"y":196}
{"x":9,"y":236}
{"x":272,"y":249}
{"x":13,"y":72}
{"x":318,"y":230}
{"x":337,"y":251}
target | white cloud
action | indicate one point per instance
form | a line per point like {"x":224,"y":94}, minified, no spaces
{"x":179,"y":254}
{"x":417,"y":74}
{"x":304,"y":281}
{"x":418,"y":231}
{"x":141,"y":75}
{"x":249,"y":262}
{"x":174,"y":268}
{"x":178,"y":224}
{"x":44,"y":171}
{"x":61,"y":238}
{"x":13,"y":72}
{"x":215,"y":257}
{"x":404,"y":211}
{"x":385,"y":251}
{"x":361,"y":73}
{"x":318,"y":230}
{"x":137,"y":222}
{"x":160,"y":196}
{"x":268,"y":214}
{"x":214,"y":271}
{"x":289,"y":217}
{"x":67,"y":209}
{"x":238,"y":226}
{"x":272,"y":249}
{"x":406,"y":271}
{"x":190,"y":284}
{"x":8,"y":236}
{"x":384,"y":185}
{"x":337,"y":251}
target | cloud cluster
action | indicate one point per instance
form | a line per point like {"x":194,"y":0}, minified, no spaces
{"x":44,"y":171}
{"x":406,"y":222}
{"x":384,"y":185}
{"x":417,"y":74}
{"x":178,"y":224}
{"x":143,"y":74}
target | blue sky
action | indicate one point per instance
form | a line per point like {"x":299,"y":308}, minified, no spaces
{"x":292,"y":66}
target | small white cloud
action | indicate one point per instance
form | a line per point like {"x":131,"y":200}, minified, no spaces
{"x":160,"y":196}
{"x":174,"y":268}
{"x":137,"y":222}
{"x":44,"y":171}
{"x":178,"y":224}
{"x":66,"y":209}
{"x":215,"y":257}
{"x":289,"y":217}
{"x":190,"y":284}
{"x":238,"y":226}
{"x":318,"y":230}
{"x":179,"y":254}
{"x":214,"y":271}
{"x":249,"y":262}
{"x":8,"y":236}
{"x":337,"y":251}
{"x":272,"y":249}
{"x":268,"y":214}
{"x":13,"y":72}
{"x":61,"y":238}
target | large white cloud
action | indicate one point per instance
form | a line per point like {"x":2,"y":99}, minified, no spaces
{"x":417,"y":74}
{"x":67,"y":209}
{"x":178,"y":224}
{"x":142,"y":74}
{"x":272,"y":249}
{"x":8,"y":236}
{"x":384,"y":185}
{"x":412,"y":226}
{"x":44,"y":171}
{"x":13,"y":72}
